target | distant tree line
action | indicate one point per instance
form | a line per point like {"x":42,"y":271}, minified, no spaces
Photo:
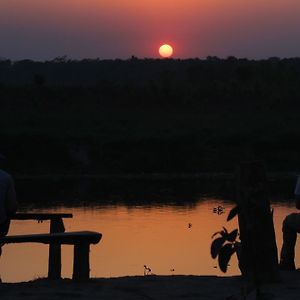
{"x":149,"y":115}
{"x":177,"y":81}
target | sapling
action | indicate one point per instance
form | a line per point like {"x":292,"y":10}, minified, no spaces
{"x":226,"y":244}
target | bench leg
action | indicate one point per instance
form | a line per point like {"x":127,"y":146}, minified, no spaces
{"x":54,"y":266}
{"x":81,"y":266}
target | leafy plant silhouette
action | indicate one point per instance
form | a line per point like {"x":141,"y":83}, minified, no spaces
{"x":226,"y":244}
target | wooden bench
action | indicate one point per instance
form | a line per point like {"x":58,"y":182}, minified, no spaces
{"x":56,"y":227}
{"x":81,"y":241}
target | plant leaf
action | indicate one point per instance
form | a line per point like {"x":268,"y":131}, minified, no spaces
{"x":233,"y":213}
{"x":224,"y":232}
{"x":216,"y":246}
{"x":224,"y":256}
{"x":232,"y":235}
{"x":218,"y":232}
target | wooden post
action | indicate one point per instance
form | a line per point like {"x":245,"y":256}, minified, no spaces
{"x":54,"y":266}
{"x":259,"y":250}
{"x":81,"y":266}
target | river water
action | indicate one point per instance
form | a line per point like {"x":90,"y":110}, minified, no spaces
{"x":168,"y":239}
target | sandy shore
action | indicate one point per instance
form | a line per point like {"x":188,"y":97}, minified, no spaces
{"x":150,"y":287}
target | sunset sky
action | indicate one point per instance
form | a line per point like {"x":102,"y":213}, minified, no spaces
{"x":45,"y":29}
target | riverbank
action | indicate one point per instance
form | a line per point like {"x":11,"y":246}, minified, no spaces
{"x":149,"y":187}
{"x":150,"y":287}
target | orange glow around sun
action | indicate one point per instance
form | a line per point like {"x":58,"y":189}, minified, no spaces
{"x":165,"y":51}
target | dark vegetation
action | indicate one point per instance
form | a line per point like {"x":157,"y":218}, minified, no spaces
{"x":149,"y":116}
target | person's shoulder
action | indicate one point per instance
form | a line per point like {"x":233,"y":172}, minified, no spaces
{"x":297,"y":187}
{"x":4,"y":175}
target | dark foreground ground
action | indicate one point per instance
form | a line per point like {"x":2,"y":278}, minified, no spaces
{"x":151,"y":287}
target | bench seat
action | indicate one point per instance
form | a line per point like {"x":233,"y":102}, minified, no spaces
{"x":62,"y":238}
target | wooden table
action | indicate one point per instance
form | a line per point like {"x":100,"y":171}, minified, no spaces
{"x":56,"y":226}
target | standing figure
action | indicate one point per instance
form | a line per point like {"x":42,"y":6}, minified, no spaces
{"x":290,"y":228}
{"x":8,"y":201}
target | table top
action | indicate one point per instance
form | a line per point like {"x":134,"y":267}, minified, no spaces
{"x":40,"y":216}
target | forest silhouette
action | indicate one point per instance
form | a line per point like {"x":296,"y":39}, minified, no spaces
{"x":149,"y":115}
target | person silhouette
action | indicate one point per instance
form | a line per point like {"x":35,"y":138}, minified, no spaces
{"x":8,"y":200}
{"x":290,"y":228}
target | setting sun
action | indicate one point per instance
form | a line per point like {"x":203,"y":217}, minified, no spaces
{"x":165,"y":50}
